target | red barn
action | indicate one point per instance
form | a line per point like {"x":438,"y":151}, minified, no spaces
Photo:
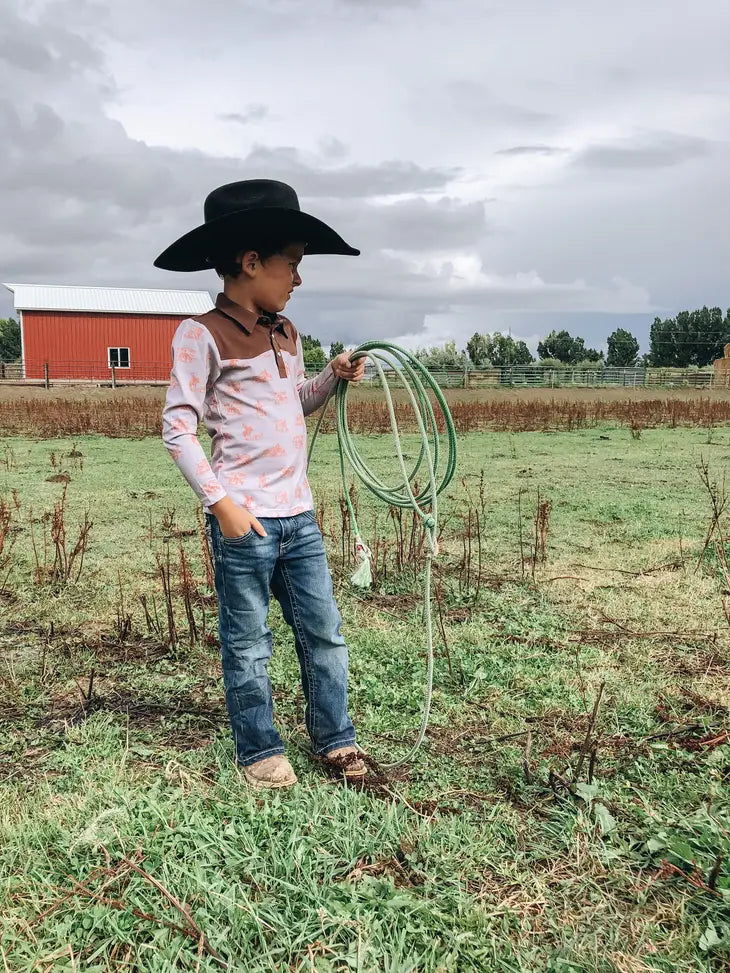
{"x":81,"y":332}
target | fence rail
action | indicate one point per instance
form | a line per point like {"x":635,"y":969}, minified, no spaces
{"x":47,"y":373}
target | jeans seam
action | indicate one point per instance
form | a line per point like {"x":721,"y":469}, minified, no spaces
{"x":224,"y":599}
{"x":305,"y":646}
{"x":223,"y":603}
{"x":285,"y":545}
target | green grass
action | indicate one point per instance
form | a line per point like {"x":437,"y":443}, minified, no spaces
{"x":463,"y":862}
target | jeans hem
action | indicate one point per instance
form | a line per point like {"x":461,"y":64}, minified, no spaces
{"x":323,"y":751}
{"x":274,"y":752}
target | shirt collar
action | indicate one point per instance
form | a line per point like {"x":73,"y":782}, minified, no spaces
{"x":249,"y":319}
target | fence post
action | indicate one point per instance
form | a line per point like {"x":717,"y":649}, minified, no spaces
{"x":114,"y":377}
{"x":45,"y":375}
{"x":466,"y":378}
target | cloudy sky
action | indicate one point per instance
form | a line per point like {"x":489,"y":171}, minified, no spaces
{"x":502,"y":164}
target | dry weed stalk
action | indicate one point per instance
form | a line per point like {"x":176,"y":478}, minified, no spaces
{"x":123,"y":627}
{"x":542,"y":527}
{"x":7,"y":542}
{"x":188,"y":587}
{"x":715,"y":534}
{"x":163,"y":569}
{"x":67,"y":563}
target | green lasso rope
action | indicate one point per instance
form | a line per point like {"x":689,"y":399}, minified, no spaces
{"x":417,"y":380}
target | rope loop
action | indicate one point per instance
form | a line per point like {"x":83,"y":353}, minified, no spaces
{"x":405,"y":368}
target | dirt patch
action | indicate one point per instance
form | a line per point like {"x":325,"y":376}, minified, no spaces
{"x":688,"y":701}
{"x":404,"y":602}
{"x":699,"y":664}
{"x":23,"y":763}
{"x":110,"y":651}
{"x":141,"y":713}
{"x":396,"y":867}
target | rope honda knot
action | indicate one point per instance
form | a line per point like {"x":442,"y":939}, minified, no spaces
{"x":362,"y":576}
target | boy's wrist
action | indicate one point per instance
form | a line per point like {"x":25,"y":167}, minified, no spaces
{"x":222,"y":507}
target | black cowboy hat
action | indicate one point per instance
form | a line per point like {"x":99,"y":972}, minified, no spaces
{"x":239,"y":213}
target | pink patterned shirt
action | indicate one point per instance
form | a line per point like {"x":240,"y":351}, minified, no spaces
{"x":243,"y":376}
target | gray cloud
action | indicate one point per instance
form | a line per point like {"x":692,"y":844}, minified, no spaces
{"x":251,"y":113}
{"x":653,"y":150}
{"x":50,"y":51}
{"x":412,"y":225}
{"x":531,"y":150}
{"x":381,"y":4}
{"x":481,"y":102}
{"x":384,"y":179}
{"x":333,"y":148}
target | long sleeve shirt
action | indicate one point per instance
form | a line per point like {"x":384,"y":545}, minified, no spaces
{"x":243,"y":376}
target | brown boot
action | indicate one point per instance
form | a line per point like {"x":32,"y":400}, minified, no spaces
{"x":348,"y":761}
{"x":270,"y":772}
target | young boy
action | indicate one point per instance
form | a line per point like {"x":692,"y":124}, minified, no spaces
{"x":240,"y":368}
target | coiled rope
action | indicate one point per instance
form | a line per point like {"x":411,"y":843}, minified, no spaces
{"x":417,"y":381}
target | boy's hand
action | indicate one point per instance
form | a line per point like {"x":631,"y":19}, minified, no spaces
{"x":349,"y":371}
{"x":235,"y":521}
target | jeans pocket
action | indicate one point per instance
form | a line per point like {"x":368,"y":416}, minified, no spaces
{"x":310,"y":515}
{"x":235,"y":541}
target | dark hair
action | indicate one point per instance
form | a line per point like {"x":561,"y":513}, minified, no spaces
{"x":227,"y":265}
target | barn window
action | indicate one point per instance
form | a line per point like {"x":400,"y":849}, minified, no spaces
{"x":119,"y":357}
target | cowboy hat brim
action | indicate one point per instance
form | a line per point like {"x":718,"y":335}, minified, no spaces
{"x":197,"y":249}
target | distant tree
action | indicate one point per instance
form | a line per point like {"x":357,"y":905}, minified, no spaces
{"x":444,"y":356}
{"x":692,"y":338}
{"x":507,"y":351}
{"x":478,"y":348}
{"x":584,"y":354}
{"x":623,"y":349}
{"x":497,"y":349}
{"x":563,"y":347}
{"x":558,"y":345}
{"x":523,"y":355}
{"x":336,"y":348}
{"x":9,"y":339}
{"x":313,"y":352}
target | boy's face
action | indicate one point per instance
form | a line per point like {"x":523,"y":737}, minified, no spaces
{"x":272,"y":282}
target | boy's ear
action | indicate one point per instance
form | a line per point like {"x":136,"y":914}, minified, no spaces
{"x":249,"y":261}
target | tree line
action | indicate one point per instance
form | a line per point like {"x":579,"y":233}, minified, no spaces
{"x":692,"y":338}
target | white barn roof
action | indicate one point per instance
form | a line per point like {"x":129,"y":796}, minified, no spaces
{"x":129,"y":300}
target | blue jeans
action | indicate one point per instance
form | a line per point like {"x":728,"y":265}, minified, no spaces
{"x":291,"y":563}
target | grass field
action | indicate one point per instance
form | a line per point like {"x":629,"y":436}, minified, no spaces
{"x":568,"y":812}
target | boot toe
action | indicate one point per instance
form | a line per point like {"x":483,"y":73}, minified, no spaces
{"x":272,"y":772}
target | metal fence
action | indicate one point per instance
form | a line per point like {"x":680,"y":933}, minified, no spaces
{"x":538,"y":376}
{"x":47,"y":373}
